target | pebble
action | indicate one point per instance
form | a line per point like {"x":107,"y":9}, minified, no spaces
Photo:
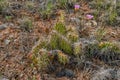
{"x":65,"y":72}
{"x":3,"y":26}
{"x":2,"y":78}
{"x":118,"y":74}
{"x":6,"y":25}
{"x":89,"y":24}
{"x":118,"y":18}
{"x":7,"y":41}
{"x":76,"y":20}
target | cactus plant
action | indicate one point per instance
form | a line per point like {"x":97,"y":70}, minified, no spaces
{"x":58,"y":41}
{"x":60,"y":27}
{"x":3,"y":4}
{"x":62,"y":58}
{"x":77,"y":48}
{"x":40,"y":59}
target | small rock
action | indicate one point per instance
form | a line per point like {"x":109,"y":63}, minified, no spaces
{"x":65,"y":72}
{"x":118,"y":18}
{"x":11,"y":24}
{"x":117,"y":21}
{"x":7,"y":41}
{"x":3,"y":26}
{"x":118,"y":74}
{"x":76,"y":20}
{"x":60,"y":74}
{"x":2,"y":78}
{"x":51,"y":68}
{"x":89,"y":24}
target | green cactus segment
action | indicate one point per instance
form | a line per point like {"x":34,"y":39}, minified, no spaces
{"x":37,"y":48}
{"x":3,"y":4}
{"x":103,"y":48}
{"x":109,"y":46}
{"x":54,"y":41}
{"x":112,"y":17}
{"x":60,"y":42}
{"x":60,"y":27}
{"x":62,"y":58}
{"x":43,"y":59}
{"x":42,"y":43}
{"x":65,"y":46}
{"x":73,"y":36}
{"x":77,"y":49}
{"x":40,"y":59}
{"x":72,"y":33}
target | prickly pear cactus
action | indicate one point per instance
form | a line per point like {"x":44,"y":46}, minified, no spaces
{"x":63,"y":39}
{"x":104,"y":51}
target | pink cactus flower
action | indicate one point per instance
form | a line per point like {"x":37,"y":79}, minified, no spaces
{"x":76,"y":7}
{"x":88,"y":16}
